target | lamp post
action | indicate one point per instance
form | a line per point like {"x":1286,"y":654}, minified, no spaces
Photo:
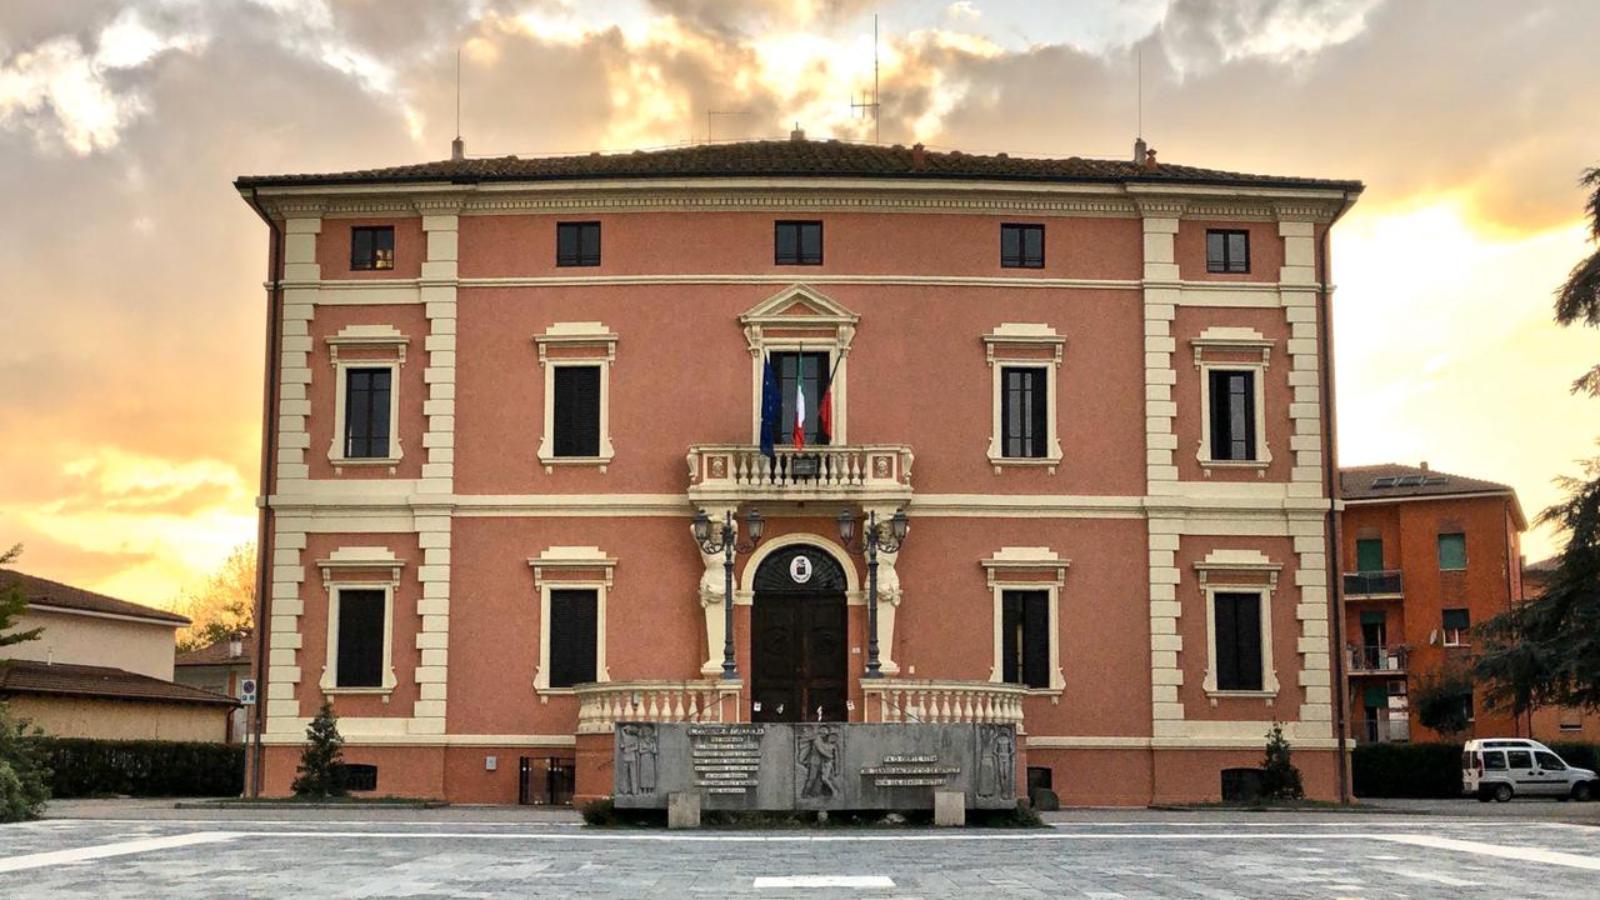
{"x":727,"y":543}
{"x":872,"y":540}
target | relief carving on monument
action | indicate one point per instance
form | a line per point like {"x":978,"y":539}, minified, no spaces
{"x":818,"y":754}
{"x":997,"y":761}
{"x":637,"y":747}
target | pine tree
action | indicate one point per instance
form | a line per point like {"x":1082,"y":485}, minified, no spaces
{"x":1280,"y":780}
{"x":12,"y":603}
{"x":321,"y":771}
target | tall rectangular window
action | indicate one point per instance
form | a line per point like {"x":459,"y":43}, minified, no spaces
{"x":1024,"y":406}
{"x":574,"y":631}
{"x":1227,"y":251}
{"x":1369,"y":555}
{"x":1457,"y":627}
{"x":366,"y":413}
{"x":1025,"y":638}
{"x":577,"y":411}
{"x":577,"y":243}
{"x":360,"y":655}
{"x":1452,"y":552}
{"x":1233,"y":415}
{"x":1022,"y":246}
{"x":1238,"y":660}
{"x":798,"y":244}
{"x":795,"y":371}
{"x":372,"y":247}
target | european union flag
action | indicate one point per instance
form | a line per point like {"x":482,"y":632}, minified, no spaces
{"x":771,"y":406}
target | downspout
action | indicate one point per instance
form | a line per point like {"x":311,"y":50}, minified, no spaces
{"x":269,"y":402}
{"x":1341,"y":700}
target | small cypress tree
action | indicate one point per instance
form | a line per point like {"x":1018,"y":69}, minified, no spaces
{"x":1280,"y":780}
{"x":322,"y":762}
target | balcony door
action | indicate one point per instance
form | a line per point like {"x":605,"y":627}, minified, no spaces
{"x":798,"y":638}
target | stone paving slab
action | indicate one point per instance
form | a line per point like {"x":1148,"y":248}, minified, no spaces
{"x":1173,"y":856}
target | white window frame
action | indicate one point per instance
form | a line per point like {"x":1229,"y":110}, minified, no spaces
{"x":801,"y":318}
{"x":338,"y":573}
{"x":1018,"y":345}
{"x":366,"y":337}
{"x":1234,"y":341}
{"x":1027,"y":569}
{"x":1455,"y":637}
{"x":555,"y":569}
{"x":579,"y":344}
{"x":1213,"y":574}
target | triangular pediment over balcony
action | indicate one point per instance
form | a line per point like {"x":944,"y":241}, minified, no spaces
{"x":799,"y":311}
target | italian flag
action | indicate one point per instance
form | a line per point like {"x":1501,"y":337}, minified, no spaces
{"x":799,"y":411}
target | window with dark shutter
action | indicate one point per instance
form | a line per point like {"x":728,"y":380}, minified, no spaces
{"x":1025,"y":638}
{"x":1452,"y":552}
{"x":796,"y":370}
{"x":1233,"y":415}
{"x":366,"y":413}
{"x":1024,"y":403}
{"x":574,"y":631}
{"x":1369,"y":555}
{"x":798,"y":244}
{"x":577,"y":411}
{"x":360,"y":656}
{"x":1228,"y":251}
{"x":1022,"y":246}
{"x":577,"y":243}
{"x":372,"y":247}
{"x":1238,"y":663}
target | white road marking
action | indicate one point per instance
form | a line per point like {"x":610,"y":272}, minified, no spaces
{"x":1436,"y":878}
{"x":822,"y":881}
{"x":120,"y":848}
{"x":819,"y":838}
{"x":1524,"y":854}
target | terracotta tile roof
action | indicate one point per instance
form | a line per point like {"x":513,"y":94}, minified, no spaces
{"x":219,"y":654}
{"x":18,"y":676}
{"x":44,"y":592}
{"x":1392,"y":480}
{"x":792,"y":158}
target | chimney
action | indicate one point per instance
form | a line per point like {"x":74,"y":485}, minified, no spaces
{"x":236,"y":646}
{"x":1150,"y":164}
{"x":458,"y":150}
{"x":919,"y":160}
{"x":1424,"y":466}
{"x":1139,"y":148}
{"x":798,"y":134}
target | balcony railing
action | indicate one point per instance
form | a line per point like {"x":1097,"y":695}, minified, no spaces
{"x":1382,"y":731}
{"x":1377,"y":659}
{"x":1372,"y":584}
{"x":743,"y":472}
{"x":601,"y":706}
{"x":911,"y":700}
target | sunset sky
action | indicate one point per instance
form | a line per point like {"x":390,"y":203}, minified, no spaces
{"x":130,"y":271}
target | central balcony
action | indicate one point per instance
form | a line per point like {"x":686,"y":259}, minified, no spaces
{"x":1377,"y":585}
{"x":866,"y":473}
{"x":1371,"y":660}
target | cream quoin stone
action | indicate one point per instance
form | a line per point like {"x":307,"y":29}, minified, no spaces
{"x":476,"y":493}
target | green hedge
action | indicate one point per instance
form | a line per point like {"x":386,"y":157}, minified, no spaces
{"x":85,"y":767}
{"x":1407,"y":770}
{"x":1433,"y":770}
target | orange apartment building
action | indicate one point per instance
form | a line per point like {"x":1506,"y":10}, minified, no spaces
{"x":514,"y":404}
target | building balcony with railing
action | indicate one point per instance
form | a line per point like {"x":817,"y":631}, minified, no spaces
{"x":1373,"y":585}
{"x":1364,"y":660}
{"x":866,"y":473}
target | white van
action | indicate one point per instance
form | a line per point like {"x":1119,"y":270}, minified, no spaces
{"x":1501,"y":768}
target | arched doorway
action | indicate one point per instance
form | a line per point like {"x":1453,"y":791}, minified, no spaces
{"x":798,"y":637}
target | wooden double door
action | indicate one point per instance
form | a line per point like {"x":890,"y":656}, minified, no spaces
{"x":799,"y":641}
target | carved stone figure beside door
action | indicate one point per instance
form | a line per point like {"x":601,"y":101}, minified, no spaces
{"x":819,"y":755}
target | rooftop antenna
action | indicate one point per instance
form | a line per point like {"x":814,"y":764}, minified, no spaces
{"x":458,"y":147}
{"x":1140,"y":148}
{"x":877,"y":136}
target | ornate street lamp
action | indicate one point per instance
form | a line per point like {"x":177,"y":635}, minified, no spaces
{"x":873,"y":539}
{"x":726,"y":542}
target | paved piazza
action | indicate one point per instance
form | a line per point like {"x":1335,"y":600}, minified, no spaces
{"x":479,"y":853}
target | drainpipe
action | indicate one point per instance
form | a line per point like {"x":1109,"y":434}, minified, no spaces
{"x":269,"y":402}
{"x":1341,"y":700}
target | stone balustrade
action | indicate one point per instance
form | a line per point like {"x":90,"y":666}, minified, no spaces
{"x":602,"y":705}
{"x":916,"y":700}
{"x":742,"y":472}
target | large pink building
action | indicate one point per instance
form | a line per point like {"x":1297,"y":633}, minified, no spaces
{"x":500,"y":390}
